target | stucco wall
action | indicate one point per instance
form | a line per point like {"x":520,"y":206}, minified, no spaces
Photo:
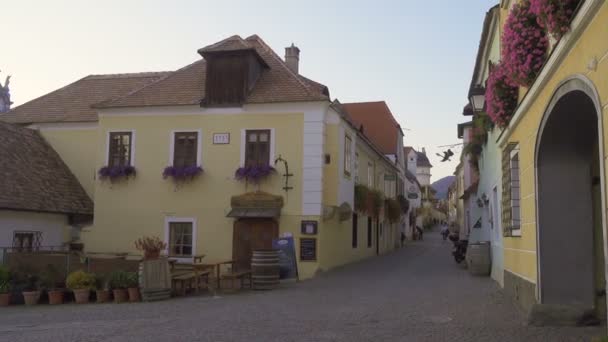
{"x":520,"y":254}
{"x":54,"y":227}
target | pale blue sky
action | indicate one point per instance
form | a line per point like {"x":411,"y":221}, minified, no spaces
{"x":416,"y":55}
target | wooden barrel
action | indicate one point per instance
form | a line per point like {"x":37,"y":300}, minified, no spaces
{"x":265,"y":269}
{"x":479,"y":259}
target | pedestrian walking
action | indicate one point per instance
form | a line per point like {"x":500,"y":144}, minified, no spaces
{"x":419,"y":230}
{"x":445,"y":232}
{"x":402,"y":239}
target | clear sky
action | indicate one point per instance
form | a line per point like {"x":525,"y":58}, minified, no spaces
{"x":418,"y":56}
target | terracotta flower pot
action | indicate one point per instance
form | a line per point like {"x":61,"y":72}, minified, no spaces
{"x":55,"y":297}
{"x":134,"y":295}
{"x":103,"y":296}
{"x":5,"y":299}
{"x":31,"y":297}
{"x":120,"y":295}
{"x":82,"y":296}
{"x":151,"y":255}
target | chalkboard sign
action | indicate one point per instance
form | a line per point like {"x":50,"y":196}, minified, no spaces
{"x":287,"y":257}
{"x":308,"y":249}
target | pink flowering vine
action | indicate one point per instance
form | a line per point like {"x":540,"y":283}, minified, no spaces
{"x":554,"y":15}
{"x":524,"y":44}
{"x":501,"y":96}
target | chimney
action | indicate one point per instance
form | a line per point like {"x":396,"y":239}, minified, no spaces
{"x":292,"y":58}
{"x":424,"y":151}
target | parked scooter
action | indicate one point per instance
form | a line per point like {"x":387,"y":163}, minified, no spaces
{"x":460,"y":247}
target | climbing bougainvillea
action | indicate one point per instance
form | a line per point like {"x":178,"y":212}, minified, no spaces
{"x":501,"y":96}
{"x":524,"y":44}
{"x":554,"y":15}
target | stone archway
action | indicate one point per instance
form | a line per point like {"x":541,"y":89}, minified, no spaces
{"x":569,"y":202}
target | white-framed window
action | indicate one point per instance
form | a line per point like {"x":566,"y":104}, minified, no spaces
{"x":356,"y":167}
{"x":515,"y":193}
{"x":370,"y":175}
{"x":120,"y":148}
{"x":180,"y":236}
{"x":347,"y":155}
{"x":257,"y":146}
{"x":185,"y":148}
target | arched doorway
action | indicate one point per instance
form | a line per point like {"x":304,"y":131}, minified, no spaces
{"x":569,"y":173}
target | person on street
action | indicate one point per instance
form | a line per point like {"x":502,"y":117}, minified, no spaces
{"x":402,"y":239}
{"x":445,"y":232}
{"x":419,"y":230}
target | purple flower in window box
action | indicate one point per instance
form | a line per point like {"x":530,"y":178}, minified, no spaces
{"x":182,"y":173}
{"x":254,"y":174}
{"x":114,"y":173}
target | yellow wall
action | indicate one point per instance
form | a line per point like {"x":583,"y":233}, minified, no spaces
{"x":77,"y":148}
{"x":520,"y":252}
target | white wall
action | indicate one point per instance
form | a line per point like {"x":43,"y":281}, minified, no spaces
{"x":54,"y":227}
{"x":424,"y":175}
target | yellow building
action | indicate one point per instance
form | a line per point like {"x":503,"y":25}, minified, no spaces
{"x":218,"y":158}
{"x":554,"y":180}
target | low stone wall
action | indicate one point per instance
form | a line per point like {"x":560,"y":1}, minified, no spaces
{"x":521,"y":290}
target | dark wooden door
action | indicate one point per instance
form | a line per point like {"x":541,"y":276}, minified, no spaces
{"x":250,"y":235}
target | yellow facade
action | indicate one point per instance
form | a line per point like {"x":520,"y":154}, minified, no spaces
{"x":520,"y":255}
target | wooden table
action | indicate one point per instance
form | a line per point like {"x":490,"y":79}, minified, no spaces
{"x":217,"y":266}
{"x":198,"y":268}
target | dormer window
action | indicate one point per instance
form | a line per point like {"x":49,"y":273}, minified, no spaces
{"x":233,"y":67}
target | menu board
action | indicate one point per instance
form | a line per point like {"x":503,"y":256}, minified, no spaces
{"x":308,"y":249}
{"x":288,"y":268}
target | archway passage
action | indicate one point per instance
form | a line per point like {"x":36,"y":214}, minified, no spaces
{"x":570,"y":233}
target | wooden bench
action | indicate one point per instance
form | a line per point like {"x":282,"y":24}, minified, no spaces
{"x":237,"y":275}
{"x":185,"y":276}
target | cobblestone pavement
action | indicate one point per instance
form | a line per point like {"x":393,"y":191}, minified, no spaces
{"x":415,"y":294}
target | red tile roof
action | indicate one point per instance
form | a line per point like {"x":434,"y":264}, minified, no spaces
{"x":72,"y":103}
{"x":187,"y":85}
{"x":377,"y":122}
{"x":34,"y":178}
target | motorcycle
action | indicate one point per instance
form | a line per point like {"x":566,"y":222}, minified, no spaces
{"x":460,"y":248}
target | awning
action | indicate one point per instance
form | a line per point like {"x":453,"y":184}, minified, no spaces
{"x":254,"y":212}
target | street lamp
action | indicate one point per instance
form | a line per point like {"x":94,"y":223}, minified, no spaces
{"x":477,"y":98}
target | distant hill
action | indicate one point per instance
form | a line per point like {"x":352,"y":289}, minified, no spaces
{"x":442,"y":185}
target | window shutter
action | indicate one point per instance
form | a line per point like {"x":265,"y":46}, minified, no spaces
{"x":257,"y":148}
{"x":507,"y":214}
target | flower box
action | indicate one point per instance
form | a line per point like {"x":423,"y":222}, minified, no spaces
{"x":182,"y":174}
{"x":114,"y":173}
{"x":254,"y":174}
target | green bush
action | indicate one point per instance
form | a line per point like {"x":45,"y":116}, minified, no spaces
{"x":51,"y":278}
{"x":80,"y":280}
{"x":123,"y":280}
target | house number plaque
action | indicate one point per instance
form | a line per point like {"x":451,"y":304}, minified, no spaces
{"x":221,"y":138}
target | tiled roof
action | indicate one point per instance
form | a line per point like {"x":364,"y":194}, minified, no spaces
{"x":72,"y":103}
{"x":407,"y":149}
{"x":187,"y":85}
{"x":33,"y":177}
{"x":378,"y":124}
{"x":423,"y":160}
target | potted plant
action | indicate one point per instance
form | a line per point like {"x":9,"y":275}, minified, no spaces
{"x":31,"y":291}
{"x":151,"y":246}
{"x":81,"y":283}
{"x":52,"y":283}
{"x":114,"y":173}
{"x":254,"y":174}
{"x":133,"y":287}
{"x":5,"y":286}
{"x":103,"y":292}
{"x":119,"y":282}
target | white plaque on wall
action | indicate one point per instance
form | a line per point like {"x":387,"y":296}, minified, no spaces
{"x":221,"y":138}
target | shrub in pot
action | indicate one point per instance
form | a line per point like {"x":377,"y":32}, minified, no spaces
{"x":103,"y":292}
{"x":81,"y":283}
{"x":31,"y":290}
{"x":51,"y":281}
{"x":133,"y":287}
{"x":5,"y":286}
{"x":119,"y":282}
{"x":151,"y":246}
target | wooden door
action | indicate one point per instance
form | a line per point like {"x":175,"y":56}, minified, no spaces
{"x":250,"y":235}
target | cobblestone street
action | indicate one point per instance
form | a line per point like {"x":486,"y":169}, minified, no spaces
{"x":415,"y":294}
